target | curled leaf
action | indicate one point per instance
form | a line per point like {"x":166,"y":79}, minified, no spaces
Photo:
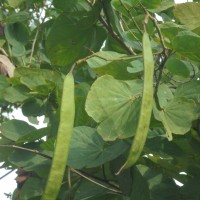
{"x":6,"y":67}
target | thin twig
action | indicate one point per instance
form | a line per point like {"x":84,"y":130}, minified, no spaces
{"x":26,"y":149}
{"x":115,"y":36}
{"x":100,"y":179}
{"x":69,"y":178}
{"x":132,"y":18}
{"x":80,"y":173}
{"x":96,"y":183}
{"x":69,"y":182}
{"x":33,"y":45}
{"x":6,"y":174}
{"x":106,"y":59}
{"x":36,"y":36}
{"x":132,"y":33}
{"x":161,"y":67}
{"x":153,"y":19}
{"x":106,"y":23}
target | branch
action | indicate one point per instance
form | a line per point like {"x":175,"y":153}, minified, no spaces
{"x":80,"y":173}
{"x":96,"y":183}
{"x":126,"y":25}
{"x":115,"y":36}
{"x":36,"y":36}
{"x":106,"y":59}
{"x":26,"y":149}
{"x":153,"y":19}
{"x":132,"y":18}
{"x":6,"y":174}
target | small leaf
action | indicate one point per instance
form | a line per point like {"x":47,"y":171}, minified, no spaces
{"x":115,"y":105}
{"x":177,"y":116}
{"x":18,"y":50}
{"x":164,"y":95}
{"x":16,"y":33}
{"x":188,"y":14}
{"x":81,"y":117}
{"x":14,"y":3}
{"x":87,"y":149}
{"x":189,"y":90}
{"x":15,"y":94}
{"x":17,"y":17}
{"x":177,"y":67}
{"x":3,"y":82}
{"x":189,"y":49}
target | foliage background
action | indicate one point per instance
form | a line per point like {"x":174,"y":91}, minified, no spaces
{"x":180,"y":154}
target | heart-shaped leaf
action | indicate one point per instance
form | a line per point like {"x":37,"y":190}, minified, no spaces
{"x":177,"y":116}
{"x":115,"y":105}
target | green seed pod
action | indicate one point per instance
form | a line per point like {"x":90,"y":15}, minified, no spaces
{"x":65,"y":130}
{"x":146,"y":106}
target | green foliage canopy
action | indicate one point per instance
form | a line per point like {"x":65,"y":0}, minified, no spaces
{"x":101,"y":42}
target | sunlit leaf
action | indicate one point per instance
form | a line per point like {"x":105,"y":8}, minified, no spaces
{"x":188,"y":14}
{"x":187,"y":44}
{"x":177,"y":116}
{"x":115,"y":64}
{"x":115,"y":105}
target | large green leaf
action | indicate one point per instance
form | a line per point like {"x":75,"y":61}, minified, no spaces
{"x":40,"y":81}
{"x":16,"y":33}
{"x":87,"y":149}
{"x":33,"y":187}
{"x":164,"y":5}
{"x":177,"y":116}
{"x":15,"y":129}
{"x":34,"y":107}
{"x":88,"y":190}
{"x":17,"y":17}
{"x":115,"y":105}
{"x":80,"y":8}
{"x":177,"y":67}
{"x":187,"y":44}
{"x":15,"y":94}
{"x":161,"y":187}
{"x":188,"y":14}
{"x":190,"y":90}
{"x":140,"y":188}
{"x":14,"y":3}
{"x":114,"y":64}
{"x":73,"y":39}
{"x":191,"y":189}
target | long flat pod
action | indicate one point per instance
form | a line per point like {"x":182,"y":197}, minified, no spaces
{"x":146,"y":106}
{"x":65,"y":130}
